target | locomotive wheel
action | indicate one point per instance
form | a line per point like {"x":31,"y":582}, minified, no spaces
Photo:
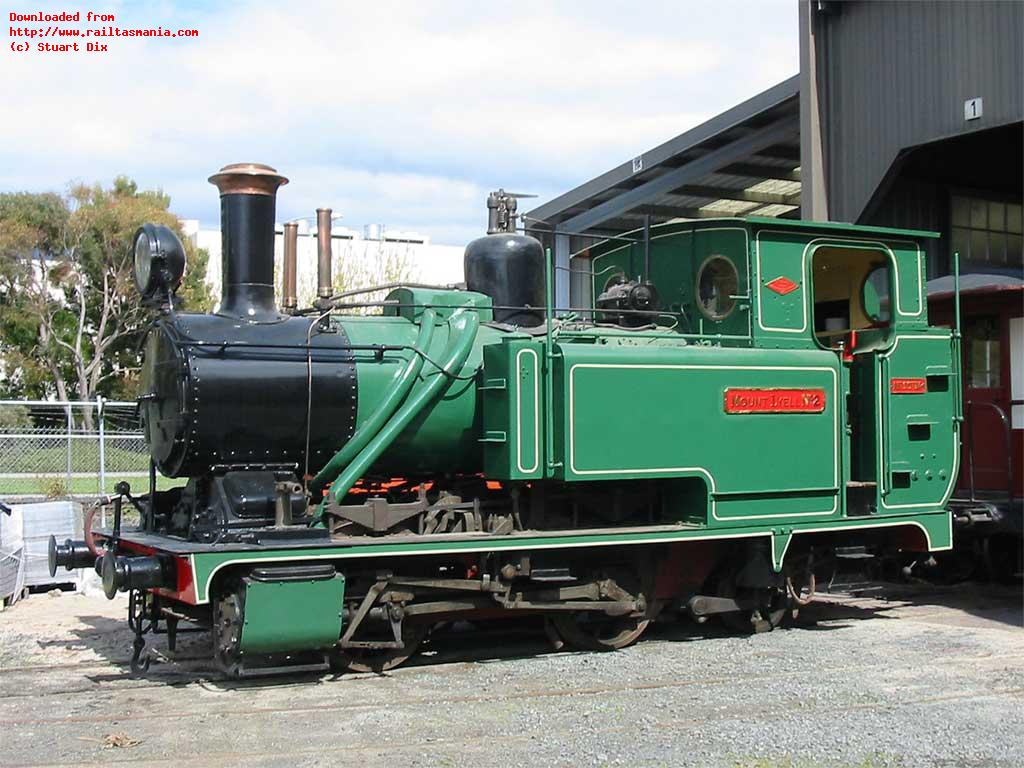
{"x":367,"y":660}
{"x":770,"y":613}
{"x":556,"y":641}
{"x":592,"y":630}
{"x":1001,"y":557}
{"x":595,"y":631}
{"x":227,"y":632}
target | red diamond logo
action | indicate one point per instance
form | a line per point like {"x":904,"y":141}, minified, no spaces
{"x":782,"y":285}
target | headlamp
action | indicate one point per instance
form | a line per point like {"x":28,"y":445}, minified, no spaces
{"x":159,"y":259}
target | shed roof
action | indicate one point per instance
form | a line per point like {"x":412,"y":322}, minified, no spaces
{"x":744,"y":161}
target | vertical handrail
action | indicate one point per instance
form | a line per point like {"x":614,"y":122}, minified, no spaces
{"x":1011,"y":486}
{"x":969,"y":425}
{"x":100,"y":416}
{"x":956,"y":292}
{"x":956,"y":336}
{"x":549,"y":358}
{"x":883,"y":405}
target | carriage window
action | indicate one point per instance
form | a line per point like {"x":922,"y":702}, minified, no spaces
{"x":981,"y":339}
{"x":852,"y":290}
{"x":717,"y":284}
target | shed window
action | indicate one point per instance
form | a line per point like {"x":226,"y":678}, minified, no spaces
{"x":987,"y":232}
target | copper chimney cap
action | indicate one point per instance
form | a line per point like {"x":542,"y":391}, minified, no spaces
{"x":247,"y":179}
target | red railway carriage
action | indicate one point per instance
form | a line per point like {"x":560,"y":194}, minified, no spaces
{"x":987,"y":499}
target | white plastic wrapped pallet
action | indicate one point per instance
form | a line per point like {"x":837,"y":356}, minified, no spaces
{"x":62,"y":519}
{"x":12,"y":556}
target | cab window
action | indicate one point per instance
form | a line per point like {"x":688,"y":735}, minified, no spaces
{"x":852,"y":289}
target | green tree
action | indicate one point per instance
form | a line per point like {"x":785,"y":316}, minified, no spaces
{"x":70,"y":315}
{"x":384,"y":264}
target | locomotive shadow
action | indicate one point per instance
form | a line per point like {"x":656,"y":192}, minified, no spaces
{"x":484,"y":642}
{"x":996,"y":602}
{"x":109,"y":640}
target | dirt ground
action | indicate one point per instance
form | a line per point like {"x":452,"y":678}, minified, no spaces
{"x":899,"y":677}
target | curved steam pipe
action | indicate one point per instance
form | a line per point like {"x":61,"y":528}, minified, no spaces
{"x":394,"y":397}
{"x":464,"y":325}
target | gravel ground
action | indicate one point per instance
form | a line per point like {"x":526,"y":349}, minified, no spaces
{"x":902,"y":677}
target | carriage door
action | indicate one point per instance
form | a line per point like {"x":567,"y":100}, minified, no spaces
{"x":985,"y":461}
{"x":917,"y":398}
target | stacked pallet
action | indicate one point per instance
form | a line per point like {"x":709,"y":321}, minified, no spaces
{"x":24,"y":546}
{"x":62,"y":519}
{"x":12,"y":557}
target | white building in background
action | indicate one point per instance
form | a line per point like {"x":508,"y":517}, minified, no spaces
{"x":361,"y":259}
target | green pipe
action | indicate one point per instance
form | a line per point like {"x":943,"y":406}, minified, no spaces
{"x":464,"y":325}
{"x":394,"y":397}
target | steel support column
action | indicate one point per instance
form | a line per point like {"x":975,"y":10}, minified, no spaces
{"x":561,"y":270}
{"x":813,"y":191}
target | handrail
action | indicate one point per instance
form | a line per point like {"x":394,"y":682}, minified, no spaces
{"x":1007,"y":440}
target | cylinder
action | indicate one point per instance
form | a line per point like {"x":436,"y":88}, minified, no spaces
{"x":323,"y":264}
{"x":289,"y":296}
{"x":248,"y":194}
{"x":510,"y":269}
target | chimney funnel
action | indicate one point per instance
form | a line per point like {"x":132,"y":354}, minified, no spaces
{"x":248,"y":194}
{"x":289,"y":298}
{"x":323,"y":273}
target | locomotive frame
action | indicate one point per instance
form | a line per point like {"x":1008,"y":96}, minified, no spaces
{"x":698,"y":445}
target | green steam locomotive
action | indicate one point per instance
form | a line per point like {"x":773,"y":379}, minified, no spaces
{"x":739,"y":400}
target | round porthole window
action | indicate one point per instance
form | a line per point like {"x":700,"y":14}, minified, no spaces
{"x":717,"y":283}
{"x":875,"y":295}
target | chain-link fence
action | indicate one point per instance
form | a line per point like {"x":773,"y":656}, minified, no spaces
{"x":69,"y":449}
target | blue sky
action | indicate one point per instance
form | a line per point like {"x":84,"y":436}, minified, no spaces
{"x":402,"y":113}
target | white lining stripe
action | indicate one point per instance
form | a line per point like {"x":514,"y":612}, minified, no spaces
{"x":536,"y":413}
{"x":702,"y":470}
{"x":839,"y":243}
{"x":491,"y":547}
{"x":882,"y":476}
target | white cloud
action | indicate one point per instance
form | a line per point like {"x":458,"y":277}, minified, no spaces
{"x":405,"y":113}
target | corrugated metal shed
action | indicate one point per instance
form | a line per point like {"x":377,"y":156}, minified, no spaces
{"x":894,"y":75}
